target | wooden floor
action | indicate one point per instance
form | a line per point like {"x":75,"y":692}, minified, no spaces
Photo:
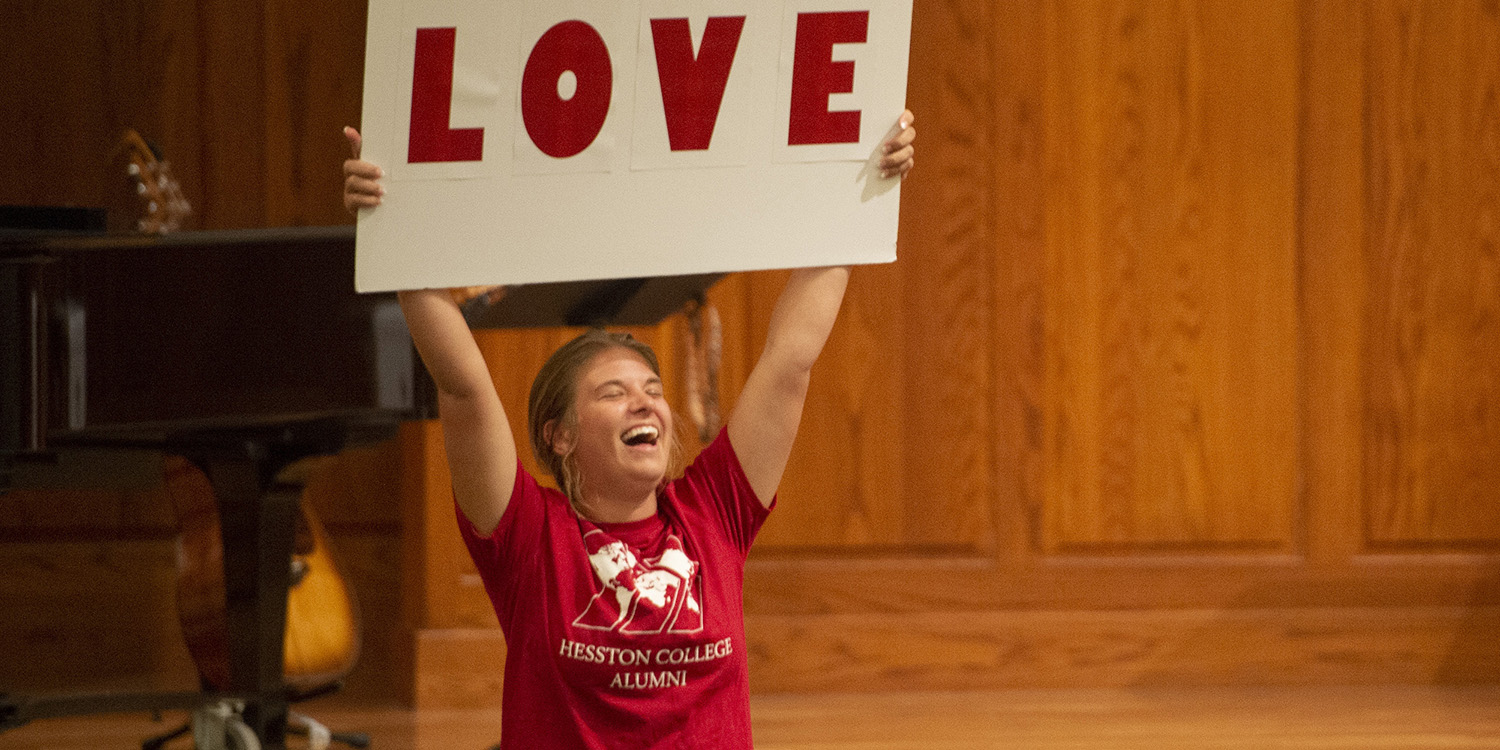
{"x":1346,"y":718}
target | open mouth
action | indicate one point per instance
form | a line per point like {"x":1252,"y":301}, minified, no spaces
{"x":642,"y":435}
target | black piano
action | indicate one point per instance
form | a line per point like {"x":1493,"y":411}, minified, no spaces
{"x":243,"y":351}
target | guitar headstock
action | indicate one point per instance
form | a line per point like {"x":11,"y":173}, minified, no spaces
{"x":163,"y":205}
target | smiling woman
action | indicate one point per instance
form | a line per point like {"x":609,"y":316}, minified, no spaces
{"x":621,"y":595}
{"x":630,"y":444}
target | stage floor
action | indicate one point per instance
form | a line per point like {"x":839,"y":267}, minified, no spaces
{"x":1325,"y":718}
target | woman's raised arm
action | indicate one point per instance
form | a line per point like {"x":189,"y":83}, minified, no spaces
{"x":476,"y":434}
{"x":766,"y":415}
{"x":769,"y":409}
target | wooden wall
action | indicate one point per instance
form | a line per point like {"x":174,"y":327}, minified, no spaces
{"x":1187,"y":372}
{"x":246,"y":101}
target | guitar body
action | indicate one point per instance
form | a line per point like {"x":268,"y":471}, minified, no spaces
{"x":322,"y":633}
{"x":322,"y":616}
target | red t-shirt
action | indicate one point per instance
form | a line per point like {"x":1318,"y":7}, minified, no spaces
{"x":625,"y":635}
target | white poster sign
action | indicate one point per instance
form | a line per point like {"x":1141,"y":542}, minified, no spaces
{"x":565,"y":140}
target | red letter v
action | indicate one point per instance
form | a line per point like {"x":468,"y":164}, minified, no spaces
{"x":692,"y":89}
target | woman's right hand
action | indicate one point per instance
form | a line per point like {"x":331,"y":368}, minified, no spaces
{"x":361,"y":178}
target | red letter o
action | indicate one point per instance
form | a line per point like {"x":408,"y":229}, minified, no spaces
{"x":564,"y":127}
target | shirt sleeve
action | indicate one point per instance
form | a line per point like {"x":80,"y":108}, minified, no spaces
{"x":510,"y":552}
{"x":715,"y":487}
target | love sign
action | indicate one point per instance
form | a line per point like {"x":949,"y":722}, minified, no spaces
{"x":527,"y":141}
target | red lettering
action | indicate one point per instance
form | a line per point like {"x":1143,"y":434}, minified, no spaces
{"x":564,"y":127}
{"x":815,"y":75}
{"x":693,"y":88}
{"x":430,"y":138}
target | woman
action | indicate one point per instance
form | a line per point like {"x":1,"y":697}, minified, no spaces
{"x":620,"y":596}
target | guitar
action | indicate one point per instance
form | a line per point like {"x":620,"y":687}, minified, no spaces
{"x":322,"y":615}
{"x":162,"y":203}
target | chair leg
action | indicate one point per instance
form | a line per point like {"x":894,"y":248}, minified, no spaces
{"x":160,"y":741}
{"x":319,"y":736}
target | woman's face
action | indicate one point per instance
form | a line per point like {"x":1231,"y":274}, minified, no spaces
{"x":622,"y":439}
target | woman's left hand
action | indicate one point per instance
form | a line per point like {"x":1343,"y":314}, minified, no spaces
{"x":900,"y":153}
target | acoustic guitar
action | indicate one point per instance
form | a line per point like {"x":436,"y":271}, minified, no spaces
{"x":322,"y":615}
{"x":163,"y":205}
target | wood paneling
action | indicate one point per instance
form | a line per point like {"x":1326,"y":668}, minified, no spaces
{"x":91,"y":615}
{"x":458,"y":668}
{"x":1171,"y":242}
{"x":932,"y":651}
{"x":883,"y":585}
{"x":1432,"y":270}
{"x":42,"y":161}
{"x":314,"y":86}
{"x":1018,"y":215}
{"x":440,"y":587}
{"x":927,"y":650}
{"x":231,"y":99}
{"x":141,"y":512}
{"x":946,"y":263}
{"x":1330,"y":264}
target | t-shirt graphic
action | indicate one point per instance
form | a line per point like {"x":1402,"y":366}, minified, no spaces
{"x":658,"y":595}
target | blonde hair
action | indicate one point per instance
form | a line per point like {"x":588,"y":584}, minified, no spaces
{"x":551,"y":404}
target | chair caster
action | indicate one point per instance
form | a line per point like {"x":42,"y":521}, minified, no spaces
{"x":218,"y":726}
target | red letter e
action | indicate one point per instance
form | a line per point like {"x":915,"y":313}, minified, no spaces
{"x":815,"y":75}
